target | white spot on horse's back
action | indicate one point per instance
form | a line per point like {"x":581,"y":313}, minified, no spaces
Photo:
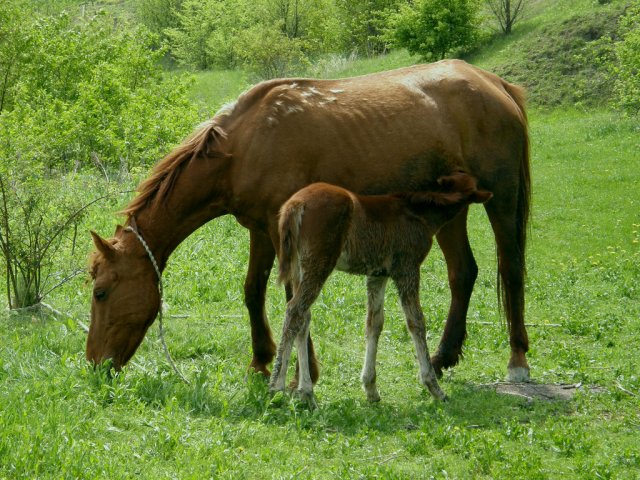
{"x":272,"y":122}
{"x":293,"y":109}
{"x":336,"y":90}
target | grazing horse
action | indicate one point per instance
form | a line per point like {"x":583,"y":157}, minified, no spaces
{"x":323,"y":227}
{"x":386,"y":132}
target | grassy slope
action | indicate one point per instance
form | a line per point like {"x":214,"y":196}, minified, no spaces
{"x":59,"y":419}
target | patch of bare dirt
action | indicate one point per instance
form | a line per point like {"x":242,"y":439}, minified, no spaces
{"x":541,"y":391}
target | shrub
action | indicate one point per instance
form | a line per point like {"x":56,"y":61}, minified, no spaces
{"x":433,"y":29}
{"x":80,"y":93}
{"x":269,"y":52}
{"x":626,"y":66}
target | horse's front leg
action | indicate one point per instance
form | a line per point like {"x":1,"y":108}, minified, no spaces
{"x":261,"y":257}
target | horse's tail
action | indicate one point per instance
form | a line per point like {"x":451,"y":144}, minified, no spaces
{"x":289,"y":230}
{"x":523,"y":207}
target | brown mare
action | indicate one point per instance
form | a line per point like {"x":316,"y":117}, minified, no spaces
{"x":323,"y":227}
{"x":387,"y":132}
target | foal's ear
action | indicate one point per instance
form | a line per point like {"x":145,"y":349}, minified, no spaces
{"x":480,"y":196}
{"x":102,"y":245}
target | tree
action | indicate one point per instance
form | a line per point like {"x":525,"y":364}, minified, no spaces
{"x":268,"y":52}
{"x":507,"y":12}
{"x":434,"y":28}
{"x":84,"y":91}
{"x":364,"y":23}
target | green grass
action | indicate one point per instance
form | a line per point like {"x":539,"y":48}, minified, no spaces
{"x":60,"y":419}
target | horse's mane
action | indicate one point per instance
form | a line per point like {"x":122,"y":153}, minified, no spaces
{"x":205,"y":139}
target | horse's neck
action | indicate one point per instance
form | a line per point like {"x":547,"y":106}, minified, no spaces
{"x":194,"y":200}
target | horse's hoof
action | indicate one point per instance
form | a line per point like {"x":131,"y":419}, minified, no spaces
{"x":518,"y":375}
{"x":258,"y":368}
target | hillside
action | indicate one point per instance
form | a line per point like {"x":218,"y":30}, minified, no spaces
{"x":553,"y":52}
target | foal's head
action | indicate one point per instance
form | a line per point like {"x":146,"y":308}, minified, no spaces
{"x":125,"y":298}
{"x":456,"y":192}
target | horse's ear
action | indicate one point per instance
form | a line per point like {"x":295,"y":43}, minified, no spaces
{"x":102,"y":245}
{"x":481,"y":196}
{"x":119,"y":229}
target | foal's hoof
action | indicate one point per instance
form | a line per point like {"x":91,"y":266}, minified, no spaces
{"x":518,"y":375}
{"x":373,"y":397}
{"x":308,"y":398}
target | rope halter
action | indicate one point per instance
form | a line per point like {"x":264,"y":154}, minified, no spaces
{"x":133,"y":229}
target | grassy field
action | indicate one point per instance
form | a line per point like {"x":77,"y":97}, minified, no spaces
{"x":60,"y":419}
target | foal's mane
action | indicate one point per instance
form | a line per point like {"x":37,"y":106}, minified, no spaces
{"x":205,"y":139}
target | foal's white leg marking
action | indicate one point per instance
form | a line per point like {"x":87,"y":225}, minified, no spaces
{"x":409,"y":295}
{"x":279,"y":374}
{"x":305,"y":385}
{"x":375,"y":321}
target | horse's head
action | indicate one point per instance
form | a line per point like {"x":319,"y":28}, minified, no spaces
{"x":125,"y":298}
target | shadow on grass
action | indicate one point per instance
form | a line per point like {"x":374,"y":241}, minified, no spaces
{"x":469,"y":406}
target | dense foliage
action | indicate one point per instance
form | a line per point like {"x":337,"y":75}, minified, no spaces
{"x":626,"y":66}
{"x":76,"y":95}
{"x":275,"y":37}
{"x":432,"y":28}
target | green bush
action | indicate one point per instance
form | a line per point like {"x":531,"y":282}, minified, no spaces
{"x":77,"y":94}
{"x":433,"y":29}
{"x":269,"y":53}
{"x":627,"y":60}
{"x":88,"y":91}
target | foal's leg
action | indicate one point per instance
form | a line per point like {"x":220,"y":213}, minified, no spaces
{"x":375,"y":321}
{"x":295,"y":327}
{"x":305,"y":384}
{"x":261,"y":256}
{"x":293,"y":323}
{"x":462,"y":270}
{"x":408,"y":289}
{"x":314,"y":369}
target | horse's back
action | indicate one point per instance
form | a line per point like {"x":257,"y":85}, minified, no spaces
{"x":378,"y":133}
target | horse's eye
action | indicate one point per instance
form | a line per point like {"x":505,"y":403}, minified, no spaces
{"x":99,"y":294}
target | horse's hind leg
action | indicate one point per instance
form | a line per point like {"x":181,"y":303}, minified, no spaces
{"x":261,"y":256}
{"x":462,"y":270}
{"x":408,"y":289}
{"x":375,"y":321}
{"x":511,"y":267}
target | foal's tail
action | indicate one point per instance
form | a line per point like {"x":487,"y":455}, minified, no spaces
{"x":289,"y":229}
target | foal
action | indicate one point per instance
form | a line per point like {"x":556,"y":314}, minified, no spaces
{"x":324,"y":227}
